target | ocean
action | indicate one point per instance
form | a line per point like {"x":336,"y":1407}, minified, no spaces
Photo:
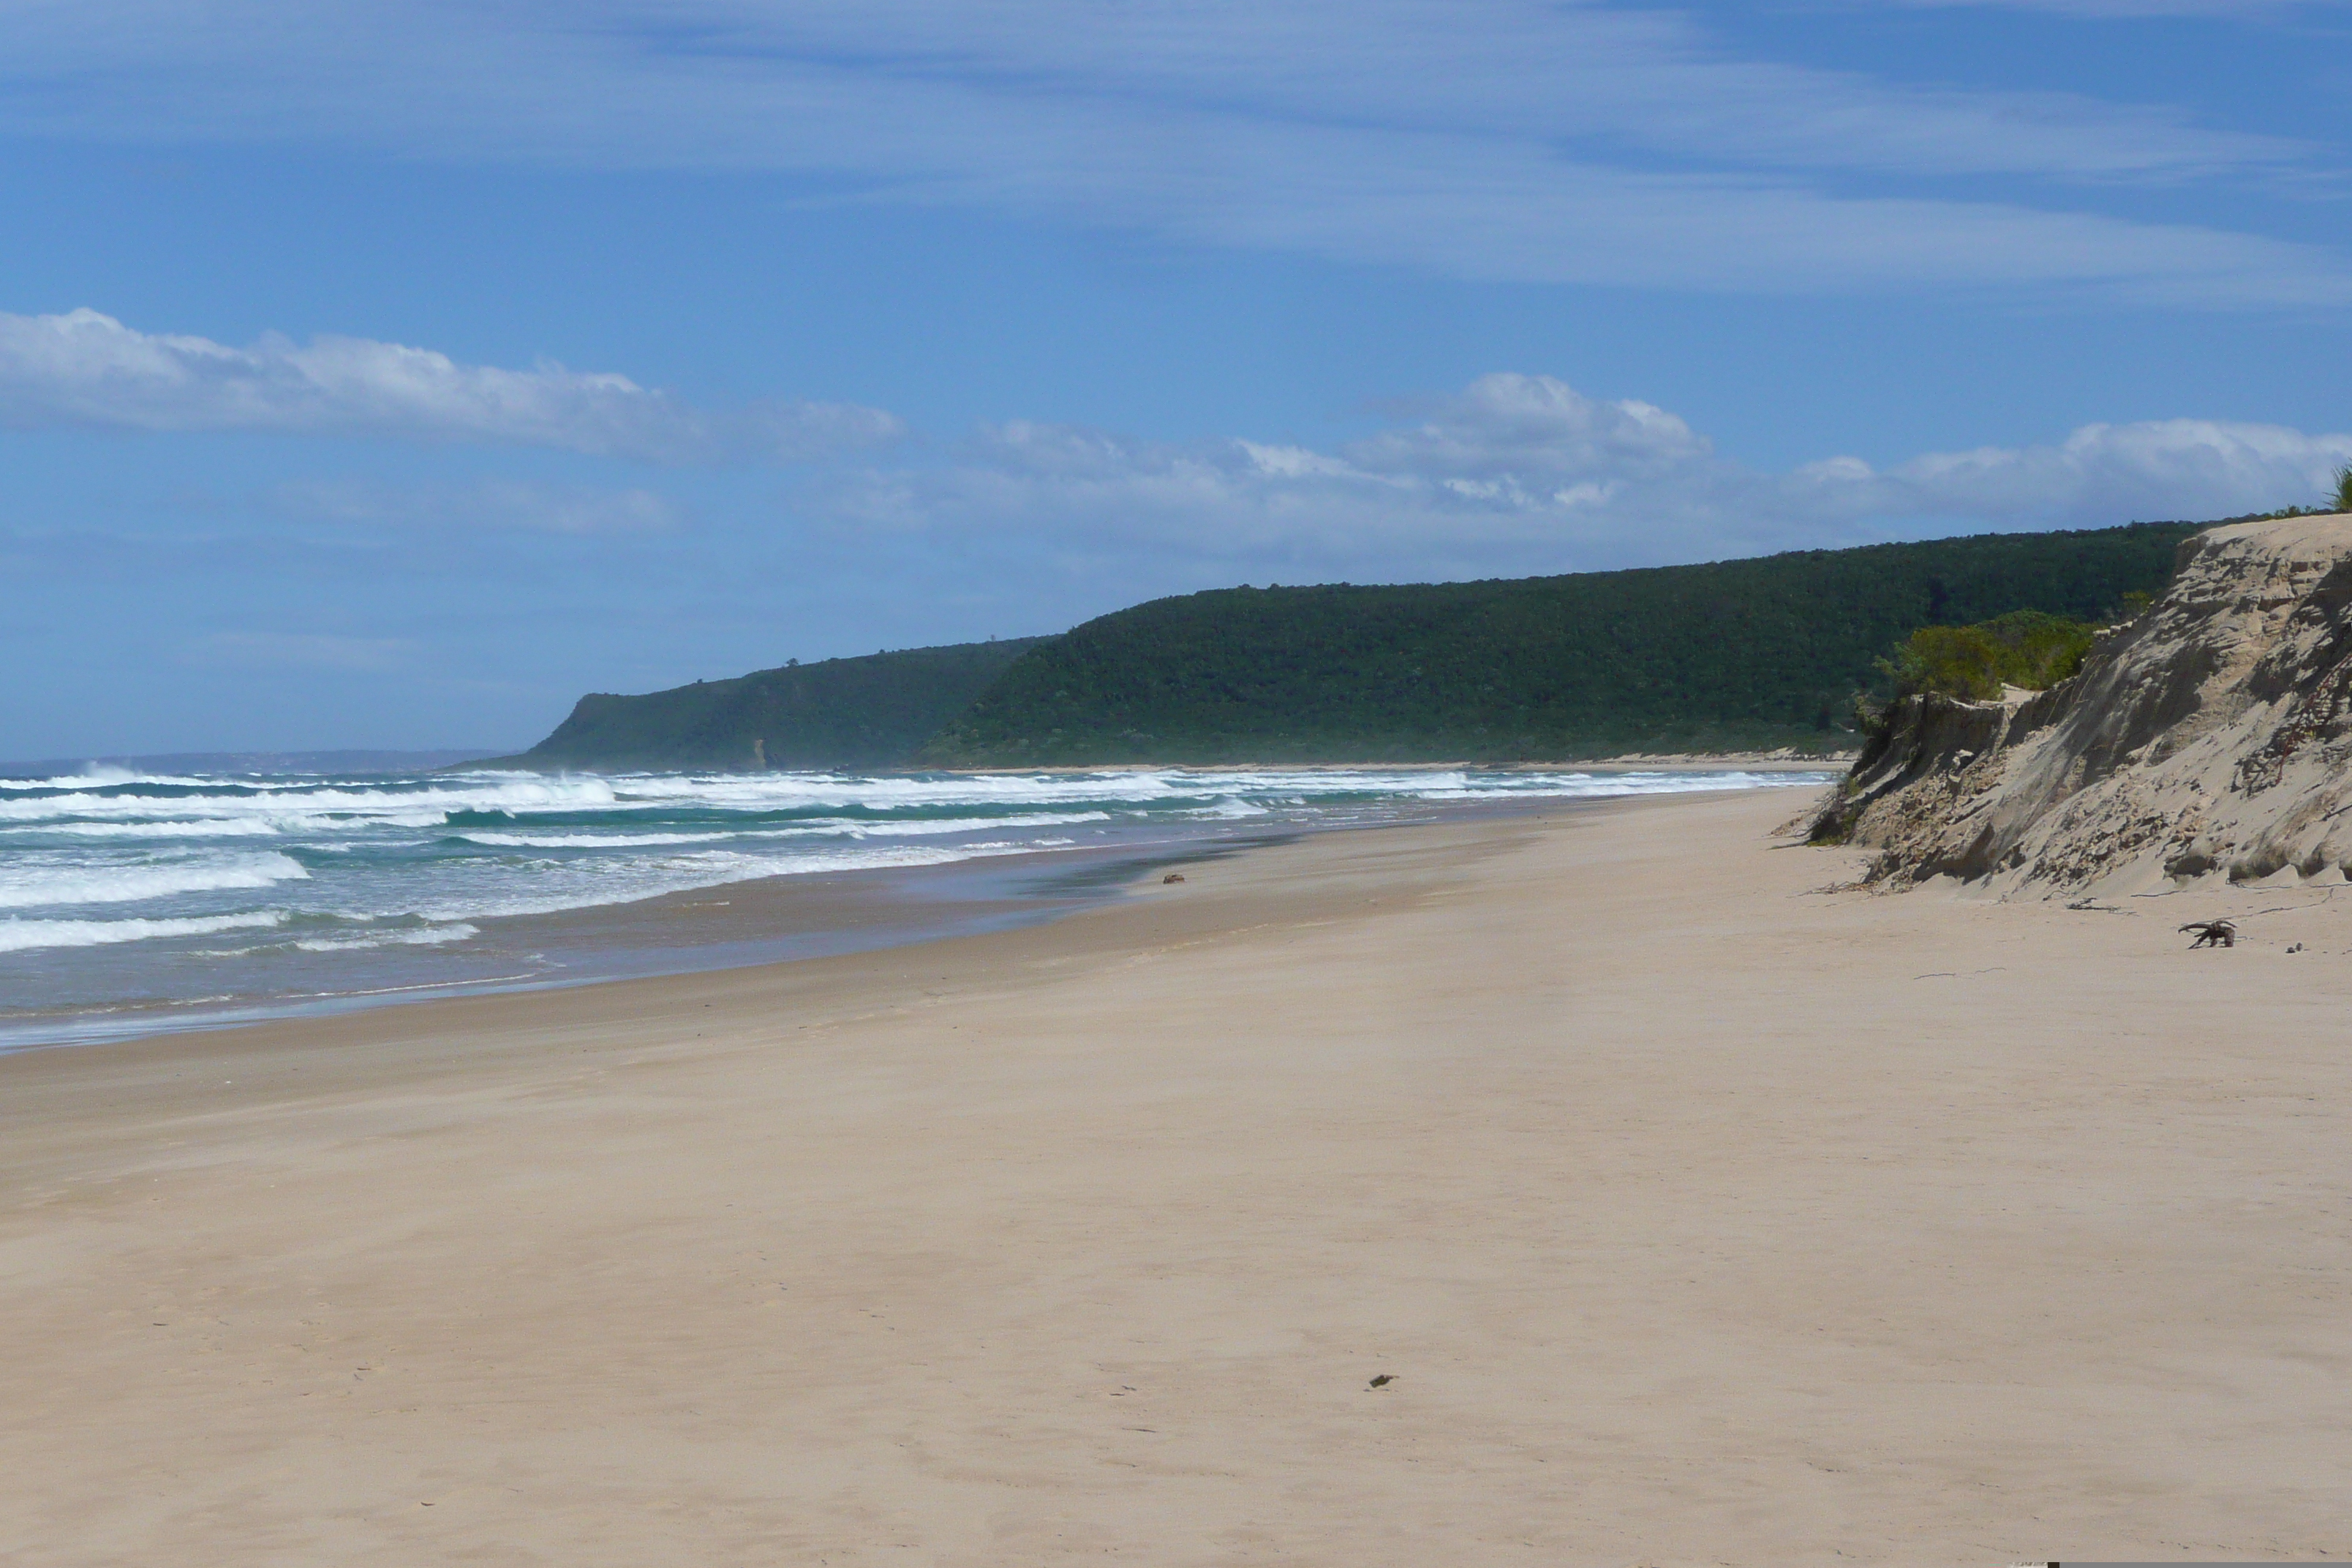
{"x":135,"y":902}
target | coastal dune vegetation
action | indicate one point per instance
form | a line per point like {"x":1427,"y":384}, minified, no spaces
{"x":2027,"y":648}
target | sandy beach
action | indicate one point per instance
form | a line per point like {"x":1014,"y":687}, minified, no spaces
{"x":1700,"y":1207}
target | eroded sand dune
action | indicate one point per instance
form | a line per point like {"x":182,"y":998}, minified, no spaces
{"x":2209,"y":738}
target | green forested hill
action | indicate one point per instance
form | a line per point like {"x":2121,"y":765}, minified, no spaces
{"x":1733,"y":654}
{"x":864,"y":712}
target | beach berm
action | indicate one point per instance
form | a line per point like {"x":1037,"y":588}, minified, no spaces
{"x":1614,"y":1185}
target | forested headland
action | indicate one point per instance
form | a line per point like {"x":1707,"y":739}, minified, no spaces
{"x":874,"y":710}
{"x":1734,"y":655}
{"x":1729,"y":656}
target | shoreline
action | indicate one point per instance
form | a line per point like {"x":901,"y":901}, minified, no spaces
{"x":773,"y":919}
{"x":708,"y":926}
{"x":1697,"y":1207}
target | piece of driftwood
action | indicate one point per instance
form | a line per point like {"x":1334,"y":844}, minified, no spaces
{"x":2214,"y":933}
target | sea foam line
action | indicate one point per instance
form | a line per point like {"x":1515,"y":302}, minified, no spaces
{"x":40,"y":885}
{"x":427,"y":936}
{"x":23,"y":935}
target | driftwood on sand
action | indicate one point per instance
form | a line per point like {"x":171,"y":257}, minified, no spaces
{"x":2216,"y":933}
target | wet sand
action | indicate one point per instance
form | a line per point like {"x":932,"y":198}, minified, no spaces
{"x":1697,"y":1214}
{"x":733,"y":925}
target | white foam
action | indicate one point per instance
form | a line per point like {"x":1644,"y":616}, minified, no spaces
{"x":926,"y":827}
{"x":425,"y":936}
{"x":255,"y":801}
{"x":826,"y":827}
{"x":380,"y":848}
{"x":195,"y":827}
{"x":93,"y":776}
{"x":282,"y":806}
{"x":589,"y":840}
{"x":23,"y":935}
{"x":632,"y":882}
{"x":34,"y":882}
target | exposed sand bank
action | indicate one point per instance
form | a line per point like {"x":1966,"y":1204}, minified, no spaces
{"x":1699,"y":1215}
{"x":2206,"y":740}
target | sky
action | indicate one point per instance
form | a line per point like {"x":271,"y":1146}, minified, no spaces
{"x":383,"y":375}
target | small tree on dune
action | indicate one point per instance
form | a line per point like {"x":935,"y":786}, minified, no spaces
{"x":2344,"y":487}
{"x":2023,"y":647}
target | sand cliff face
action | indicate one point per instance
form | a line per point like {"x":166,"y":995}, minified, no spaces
{"x":2211,"y":737}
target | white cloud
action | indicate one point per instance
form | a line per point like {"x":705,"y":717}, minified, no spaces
{"x":2175,"y":468}
{"x":1534,"y":428}
{"x":1489,"y":139}
{"x":1523,"y":474}
{"x":88,"y":369}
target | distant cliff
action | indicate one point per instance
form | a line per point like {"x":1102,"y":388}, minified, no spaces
{"x":2211,"y":737}
{"x":870,"y":711}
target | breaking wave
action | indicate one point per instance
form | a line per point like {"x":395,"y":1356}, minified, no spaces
{"x":113,"y":884}
{"x":23,"y":935}
{"x":34,"y":883}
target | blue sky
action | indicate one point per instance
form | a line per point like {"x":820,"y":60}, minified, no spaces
{"x":385,"y":376}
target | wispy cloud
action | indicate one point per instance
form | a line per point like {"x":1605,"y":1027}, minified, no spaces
{"x":86,"y":369}
{"x":1489,"y":139}
{"x":2099,"y":473}
{"x":1523,"y":473}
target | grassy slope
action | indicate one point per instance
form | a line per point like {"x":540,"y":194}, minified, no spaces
{"x":1730,"y":655}
{"x":864,"y":712}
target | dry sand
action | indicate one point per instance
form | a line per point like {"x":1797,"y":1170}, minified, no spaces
{"x":1699,"y":1215}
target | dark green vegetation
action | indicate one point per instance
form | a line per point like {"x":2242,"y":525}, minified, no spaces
{"x":864,"y":712}
{"x":2024,"y":648}
{"x":1736,"y":655}
{"x":2338,"y":502}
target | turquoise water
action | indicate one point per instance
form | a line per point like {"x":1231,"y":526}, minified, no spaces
{"x":150,"y":897}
